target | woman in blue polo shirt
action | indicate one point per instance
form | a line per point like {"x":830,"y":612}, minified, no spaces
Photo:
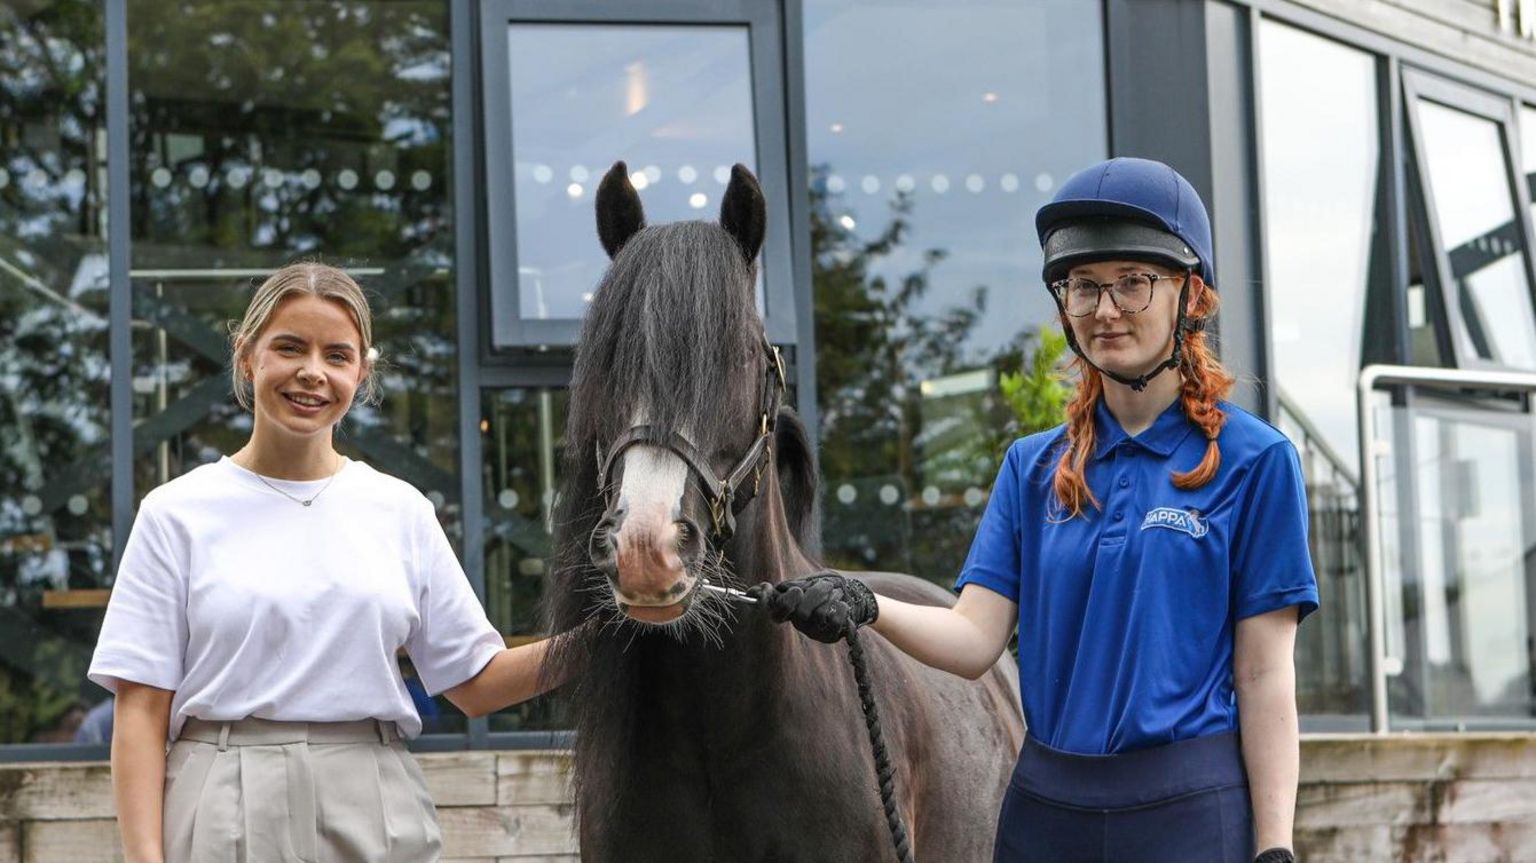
{"x":1151,"y":553}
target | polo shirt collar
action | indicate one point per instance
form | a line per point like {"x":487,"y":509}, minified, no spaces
{"x":1162,"y":437}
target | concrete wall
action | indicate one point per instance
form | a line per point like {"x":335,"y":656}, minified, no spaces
{"x":1447,"y":798}
{"x":495,"y":807}
{"x":1456,"y":798}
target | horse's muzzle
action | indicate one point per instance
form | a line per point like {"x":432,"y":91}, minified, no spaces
{"x":646,"y":560}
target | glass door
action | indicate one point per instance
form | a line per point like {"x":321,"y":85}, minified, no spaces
{"x":1461,"y":573}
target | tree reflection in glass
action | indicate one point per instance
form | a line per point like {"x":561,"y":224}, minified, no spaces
{"x":522,"y":441}
{"x":936,"y":131}
{"x":291,"y":130}
{"x":55,"y":518}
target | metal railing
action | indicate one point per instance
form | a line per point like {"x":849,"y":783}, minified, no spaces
{"x":1375,"y":584}
{"x":1330,"y":660}
{"x":1315,"y":439}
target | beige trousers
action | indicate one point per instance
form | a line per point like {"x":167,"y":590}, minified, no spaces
{"x":258,"y":791}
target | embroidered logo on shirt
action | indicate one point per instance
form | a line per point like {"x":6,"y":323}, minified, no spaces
{"x":1184,"y":520}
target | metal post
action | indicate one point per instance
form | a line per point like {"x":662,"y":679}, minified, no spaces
{"x":119,"y":285}
{"x":462,"y":27}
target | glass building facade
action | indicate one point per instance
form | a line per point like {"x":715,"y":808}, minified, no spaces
{"x":1372,"y":205}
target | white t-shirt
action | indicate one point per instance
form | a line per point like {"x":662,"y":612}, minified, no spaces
{"x":247,"y":603}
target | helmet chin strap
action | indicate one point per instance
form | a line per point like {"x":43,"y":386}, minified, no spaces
{"x":1181,"y":326}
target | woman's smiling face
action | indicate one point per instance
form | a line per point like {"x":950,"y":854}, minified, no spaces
{"x":305,"y":366}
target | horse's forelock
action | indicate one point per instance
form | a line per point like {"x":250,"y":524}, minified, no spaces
{"x":666,"y":334}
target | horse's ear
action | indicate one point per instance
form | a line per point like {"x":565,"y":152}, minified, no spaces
{"x":619,"y":213}
{"x":744,"y":212}
{"x":794,"y":459}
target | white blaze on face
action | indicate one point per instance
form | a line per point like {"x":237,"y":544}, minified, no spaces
{"x":654,"y":478}
{"x":651,"y":570}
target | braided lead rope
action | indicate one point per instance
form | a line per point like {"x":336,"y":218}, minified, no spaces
{"x":884,"y":774}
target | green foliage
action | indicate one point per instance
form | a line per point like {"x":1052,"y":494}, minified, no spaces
{"x":874,"y":346}
{"x":907,"y":398}
{"x":878,"y":341}
{"x":1037,"y":394}
{"x":39,"y":692}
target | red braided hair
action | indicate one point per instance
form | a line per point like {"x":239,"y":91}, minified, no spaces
{"x":1205,"y":382}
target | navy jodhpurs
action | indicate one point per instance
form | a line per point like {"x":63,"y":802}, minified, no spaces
{"x":1185,"y":801}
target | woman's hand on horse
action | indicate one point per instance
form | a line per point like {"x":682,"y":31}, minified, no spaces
{"x":821,"y":605}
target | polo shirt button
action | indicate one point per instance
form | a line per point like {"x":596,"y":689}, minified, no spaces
{"x":1125,"y":481}
{"x":1119,"y":515}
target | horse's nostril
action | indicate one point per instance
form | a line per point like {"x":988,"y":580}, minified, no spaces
{"x":600,"y":547}
{"x":689,"y":541}
{"x":612,"y":519}
{"x":601,"y":552}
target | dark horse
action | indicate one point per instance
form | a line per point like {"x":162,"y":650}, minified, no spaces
{"x":704,"y":732}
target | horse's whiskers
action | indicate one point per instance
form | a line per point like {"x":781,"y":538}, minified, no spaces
{"x":708,"y":615}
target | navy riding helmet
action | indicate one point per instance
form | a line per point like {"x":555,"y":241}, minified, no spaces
{"x":1131,"y":209}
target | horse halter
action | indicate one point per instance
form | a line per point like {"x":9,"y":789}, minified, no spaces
{"x":727,"y":496}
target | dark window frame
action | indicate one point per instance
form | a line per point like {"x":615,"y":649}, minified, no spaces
{"x":769,"y":97}
{"x":1422,"y":85}
{"x":777,"y":92}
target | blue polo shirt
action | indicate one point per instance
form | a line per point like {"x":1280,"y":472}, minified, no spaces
{"x":1127,"y":614}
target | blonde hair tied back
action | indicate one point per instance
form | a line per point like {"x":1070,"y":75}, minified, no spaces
{"x":304,"y":278}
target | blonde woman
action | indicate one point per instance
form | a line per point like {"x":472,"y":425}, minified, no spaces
{"x":258,"y":610}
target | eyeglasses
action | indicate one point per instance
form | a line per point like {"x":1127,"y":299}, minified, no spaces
{"x":1131,"y":293}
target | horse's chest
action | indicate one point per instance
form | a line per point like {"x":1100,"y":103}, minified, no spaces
{"x":698,"y":803}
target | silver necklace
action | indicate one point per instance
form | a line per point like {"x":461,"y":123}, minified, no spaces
{"x":300,"y":500}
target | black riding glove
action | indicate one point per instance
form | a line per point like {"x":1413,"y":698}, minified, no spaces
{"x":819,"y":605}
{"x":1276,"y":855}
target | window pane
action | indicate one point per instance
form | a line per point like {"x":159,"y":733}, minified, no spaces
{"x":248,"y":154}
{"x":675,"y":103}
{"x":1319,"y":219}
{"x":522,"y":447}
{"x":1469,"y":609}
{"x":1475,"y":210}
{"x":934,"y":131}
{"x":1319,"y":224}
{"x":55,"y":508}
